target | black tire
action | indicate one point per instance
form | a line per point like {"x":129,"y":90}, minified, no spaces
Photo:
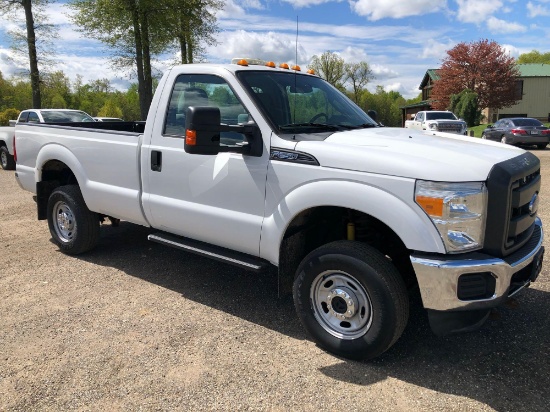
{"x":6,"y":159}
{"x":541,"y":146}
{"x":351,"y":299}
{"x":74,"y":228}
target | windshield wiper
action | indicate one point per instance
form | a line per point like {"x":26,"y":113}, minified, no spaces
{"x":362,"y":126}
{"x":330,"y":127}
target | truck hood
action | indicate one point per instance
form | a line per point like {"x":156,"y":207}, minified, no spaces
{"x":410,"y":153}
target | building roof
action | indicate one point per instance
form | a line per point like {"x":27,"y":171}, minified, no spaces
{"x":423,"y":103}
{"x":430,"y":74}
{"x":534,"y":70}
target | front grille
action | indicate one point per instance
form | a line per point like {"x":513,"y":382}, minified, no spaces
{"x":449,"y":127}
{"x":513,"y":187}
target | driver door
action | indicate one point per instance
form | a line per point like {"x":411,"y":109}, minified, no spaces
{"x":218,"y":199}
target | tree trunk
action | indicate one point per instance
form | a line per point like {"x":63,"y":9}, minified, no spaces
{"x":33,"y":59}
{"x":143,"y":105}
{"x":147,"y":74}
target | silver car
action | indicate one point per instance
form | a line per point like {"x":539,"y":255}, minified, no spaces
{"x":518,"y":131}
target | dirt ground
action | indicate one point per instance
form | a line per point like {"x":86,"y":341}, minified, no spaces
{"x":137,"y":326}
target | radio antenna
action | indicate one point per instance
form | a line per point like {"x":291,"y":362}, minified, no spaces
{"x":295,"y":75}
{"x":296,"y":40}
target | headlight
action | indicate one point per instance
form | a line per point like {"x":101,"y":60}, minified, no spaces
{"x":458,"y":211}
{"x":433,"y":126}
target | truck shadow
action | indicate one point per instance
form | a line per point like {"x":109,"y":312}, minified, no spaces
{"x":504,"y":365}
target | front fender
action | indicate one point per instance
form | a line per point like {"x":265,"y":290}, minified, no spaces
{"x":396,"y":209}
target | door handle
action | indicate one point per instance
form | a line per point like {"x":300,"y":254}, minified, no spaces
{"x":156,"y":161}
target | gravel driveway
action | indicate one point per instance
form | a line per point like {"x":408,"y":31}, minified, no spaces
{"x":137,"y":326}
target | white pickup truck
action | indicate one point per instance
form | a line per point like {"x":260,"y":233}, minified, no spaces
{"x":6,"y":146}
{"x":437,"y":121}
{"x":260,"y":166}
{"x":52,"y":116}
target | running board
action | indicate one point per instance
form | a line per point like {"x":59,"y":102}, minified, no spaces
{"x":218,"y":253}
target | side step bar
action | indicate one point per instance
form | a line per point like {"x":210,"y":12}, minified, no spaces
{"x":221,"y":254}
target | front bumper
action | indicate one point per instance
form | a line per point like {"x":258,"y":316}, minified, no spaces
{"x":439,"y":277}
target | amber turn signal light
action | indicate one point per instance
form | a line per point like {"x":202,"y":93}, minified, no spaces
{"x":191,"y":137}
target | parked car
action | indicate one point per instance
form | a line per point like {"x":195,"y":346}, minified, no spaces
{"x":517,"y":131}
{"x":7,"y":159}
{"x":108,"y":119}
{"x":54,"y":116}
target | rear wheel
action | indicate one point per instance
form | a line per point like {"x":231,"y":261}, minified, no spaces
{"x":6,"y":159}
{"x":541,"y":146}
{"x":503,"y":139}
{"x":74,"y":228}
{"x":351,"y":299}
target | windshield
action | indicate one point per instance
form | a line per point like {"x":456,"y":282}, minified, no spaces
{"x":527,"y":122}
{"x":440,"y":116}
{"x":296,"y":103}
{"x":65,"y":116}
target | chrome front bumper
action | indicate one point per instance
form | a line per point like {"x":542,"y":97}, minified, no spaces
{"x":438,"y":276}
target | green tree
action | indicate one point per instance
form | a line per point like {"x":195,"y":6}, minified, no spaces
{"x":35,"y":24}
{"x":330,"y":67}
{"x":110,"y":109}
{"x":7,"y":115}
{"x":358,"y":75}
{"x":193,"y":23}
{"x":128,"y":27}
{"x":534,"y":56}
{"x":386,"y":104}
{"x":465,"y":106}
{"x":56,"y":90}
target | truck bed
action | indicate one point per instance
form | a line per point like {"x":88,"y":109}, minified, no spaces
{"x":104,"y":157}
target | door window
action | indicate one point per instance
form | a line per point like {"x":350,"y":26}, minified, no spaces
{"x":197,"y":90}
{"x":33,"y":118}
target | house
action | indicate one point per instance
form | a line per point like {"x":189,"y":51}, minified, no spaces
{"x":426,"y":86}
{"x":533,"y":89}
{"x":534,"y":93}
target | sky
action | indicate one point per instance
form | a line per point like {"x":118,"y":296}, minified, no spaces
{"x":399,"y":39}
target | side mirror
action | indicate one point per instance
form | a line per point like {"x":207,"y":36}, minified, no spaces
{"x":490,"y":126}
{"x":373,"y":115}
{"x":202,"y":134}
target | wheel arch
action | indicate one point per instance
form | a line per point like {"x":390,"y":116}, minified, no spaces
{"x":307,"y":218}
{"x":56,"y":166}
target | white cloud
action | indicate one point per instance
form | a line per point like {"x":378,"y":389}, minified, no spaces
{"x":475,"y":11}
{"x":436,"y":50}
{"x":267,"y":46}
{"x":395,"y":87}
{"x":383,"y":72}
{"x":537,"y":10}
{"x":379,"y":9}
{"x":353,"y":55}
{"x":500,"y":26}
{"x":307,"y":3}
{"x":511,"y":50}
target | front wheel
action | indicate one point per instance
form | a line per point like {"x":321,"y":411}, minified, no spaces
{"x":503,"y":139}
{"x":6,"y":159}
{"x":74,"y":228}
{"x":483,"y":136}
{"x":351,"y":299}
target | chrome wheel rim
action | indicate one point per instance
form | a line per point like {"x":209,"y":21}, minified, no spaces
{"x":64,"y":222}
{"x":4,"y":158}
{"x":341,"y":304}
